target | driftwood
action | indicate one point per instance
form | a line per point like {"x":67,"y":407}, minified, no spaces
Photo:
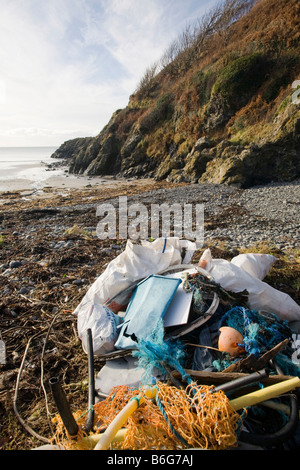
{"x":117,"y":354}
{"x":251,"y":364}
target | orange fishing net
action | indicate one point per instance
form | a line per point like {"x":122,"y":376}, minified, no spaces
{"x":178,"y":418}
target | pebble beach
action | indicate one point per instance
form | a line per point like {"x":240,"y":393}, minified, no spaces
{"x":238,"y":218}
{"x":242,"y":217}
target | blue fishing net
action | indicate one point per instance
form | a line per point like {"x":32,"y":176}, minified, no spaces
{"x":261,"y":331}
{"x":157,"y":352}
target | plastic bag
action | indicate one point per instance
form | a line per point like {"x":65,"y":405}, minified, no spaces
{"x":124,"y":371}
{"x":103,"y":324}
{"x":256,"y":264}
{"x":135,"y":263}
{"x":119,"y":372}
{"x":261,"y":295}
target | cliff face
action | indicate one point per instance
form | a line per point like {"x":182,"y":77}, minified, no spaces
{"x":228,"y":112}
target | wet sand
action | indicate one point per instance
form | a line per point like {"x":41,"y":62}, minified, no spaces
{"x":54,"y":180}
{"x":40,"y":175}
{"x":59,"y":180}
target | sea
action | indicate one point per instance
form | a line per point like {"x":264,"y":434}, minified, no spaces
{"x":21,"y":164}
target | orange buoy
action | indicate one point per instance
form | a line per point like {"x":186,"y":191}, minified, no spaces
{"x":229,"y":341}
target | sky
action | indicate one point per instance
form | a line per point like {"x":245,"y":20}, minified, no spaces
{"x":67,"y":65}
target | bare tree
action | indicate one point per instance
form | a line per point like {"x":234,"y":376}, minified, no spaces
{"x":176,"y":56}
{"x":187,"y":48}
{"x":170,"y":54}
{"x":232,"y":10}
{"x":147,"y":81}
{"x":206,"y":28}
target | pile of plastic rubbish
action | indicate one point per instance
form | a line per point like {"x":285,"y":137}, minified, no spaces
{"x":195,"y":356}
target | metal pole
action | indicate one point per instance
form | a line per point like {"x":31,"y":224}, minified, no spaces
{"x":91,"y":400}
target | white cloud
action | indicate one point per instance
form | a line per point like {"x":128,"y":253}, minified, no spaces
{"x":67,"y":65}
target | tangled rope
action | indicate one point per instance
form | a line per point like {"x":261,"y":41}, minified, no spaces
{"x":203,"y":289}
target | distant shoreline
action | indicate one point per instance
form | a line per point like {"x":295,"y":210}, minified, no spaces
{"x":57,"y":181}
{"x":26,"y":167}
{"x":26,"y":173}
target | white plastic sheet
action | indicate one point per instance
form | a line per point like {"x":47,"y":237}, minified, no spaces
{"x":262,"y":296}
{"x":256,"y":264}
{"x":119,"y":372}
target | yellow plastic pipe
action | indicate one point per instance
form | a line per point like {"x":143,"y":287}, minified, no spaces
{"x":93,"y":439}
{"x":109,"y":434}
{"x":265,"y":393}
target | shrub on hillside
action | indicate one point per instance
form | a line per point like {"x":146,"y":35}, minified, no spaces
{"x":161,"y":111}
{"x":240,"y":79}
